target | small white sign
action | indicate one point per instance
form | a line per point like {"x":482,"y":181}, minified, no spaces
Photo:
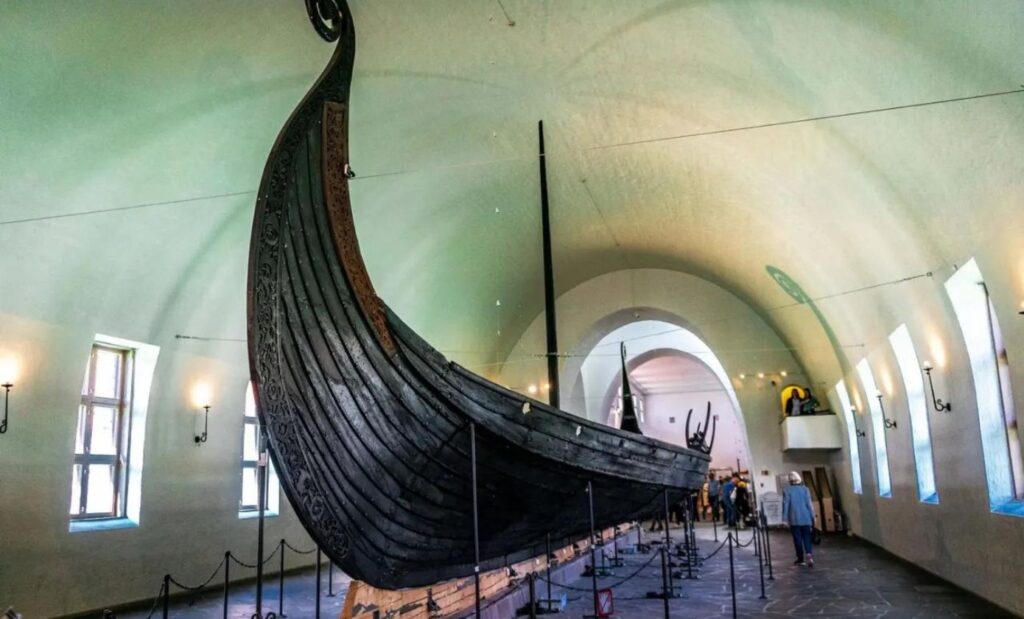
{"x":772,"y":504}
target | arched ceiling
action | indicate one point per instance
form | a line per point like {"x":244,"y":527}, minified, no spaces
{"x":114,"y":104}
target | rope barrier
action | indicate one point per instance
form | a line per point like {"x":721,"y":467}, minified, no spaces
{"x":739,"y":545}
{"x":296,"y":550}
{"x":200,"y":587}
{"x":168,"y":579}
{"x":156,"y":601}
{"x":720,"y":547}
{"x":622,"y":579}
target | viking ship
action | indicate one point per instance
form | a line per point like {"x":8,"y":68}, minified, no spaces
{"x":383,"y":447}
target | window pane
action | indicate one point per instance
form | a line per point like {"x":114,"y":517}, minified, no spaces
{"x":913,"y":383}
{"x":76,"y":488}
{"x":851,"y":434}
{"x":108,"y":371}
{"x":867,"y":380}
{"x":250,"y":402}
{"x":101,"y":489}
{"x":250,"y":444}
{"x":104,"y":431}
{"x":981,"y":333}
{"x":80,"y":433}
{"x":250,"y":488}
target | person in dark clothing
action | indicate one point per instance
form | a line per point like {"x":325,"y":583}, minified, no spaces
{"x":727,"y":501}
{"x":714,"y":494}
{"x":742,"y":502}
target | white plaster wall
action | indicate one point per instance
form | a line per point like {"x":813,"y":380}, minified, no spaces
{"x":730,"y":440}
{"x":189,"y":509}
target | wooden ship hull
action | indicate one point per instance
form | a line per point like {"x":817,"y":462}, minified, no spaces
{"x":369,"y":427}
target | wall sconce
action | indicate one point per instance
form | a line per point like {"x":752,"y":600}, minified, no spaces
{"x":890,"y":424}
{"x":8,"y":374}
{"x":201,"y":397}
{"x":936,"y":402}
{"x":7,"y":396}
{"x":860,"y":433}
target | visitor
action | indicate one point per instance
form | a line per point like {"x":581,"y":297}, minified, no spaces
{"x":714,"y":494}
{"x":794,"y":404}
{"x":798,"y":515}
{"x":657,"y":522}
{"x":727,"y":503}
{"x":742,"y":502}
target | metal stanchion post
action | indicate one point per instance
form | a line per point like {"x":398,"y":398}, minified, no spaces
{"x":547,"y":566}
{"x":261,"y":472}
{"x":280,"y":584}
{"x":669,"y":587}
{"x":665,"y":579}
{"x":687,"y":522}
{"x":319,"y":566}
{"x":330,"y":578}
{"x":760,"y":563}
{"x":767,"y":545}
{"x":715,"y":523}
{"x":533,"y":595}
{"x":167,"y":595}
{"x":732,"y":575}
{"x":593,"y":548}
{"x":476,"y":518}
{"x":227,"y":580}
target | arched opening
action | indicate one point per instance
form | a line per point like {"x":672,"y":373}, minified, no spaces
{"x":671,"y":372}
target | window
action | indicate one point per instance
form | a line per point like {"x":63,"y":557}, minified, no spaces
{"x":990,"y":368}
{"x":249,"y":505}
{"x":101,"y":443}
{"x":913,"y":383}
{"x":867,"y":380}
{"x":851,"y":434}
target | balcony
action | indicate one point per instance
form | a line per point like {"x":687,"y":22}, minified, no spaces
{"x":821,"y":432}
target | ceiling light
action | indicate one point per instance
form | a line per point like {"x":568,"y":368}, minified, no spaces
{"x":532,"y":389}
{"x":760,"y":374}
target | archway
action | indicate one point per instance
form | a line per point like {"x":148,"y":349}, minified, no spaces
{"x":673,"y":370}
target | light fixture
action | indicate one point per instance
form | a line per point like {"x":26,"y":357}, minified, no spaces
{"x":783,"y":373}
{"x":936,"y":402}
{"x":760,"y":374}
{"x":8,"y":374}
{"x":742,"y":376}
{"x":546,"y":387}
{"x":890,"y":424}
{"x":201,"y":396}
{"x":7,"y":397}
{"x":860,"y":433}
{"x":532,"y":389}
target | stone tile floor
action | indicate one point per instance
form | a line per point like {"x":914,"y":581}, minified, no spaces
{"x":849,"y":579}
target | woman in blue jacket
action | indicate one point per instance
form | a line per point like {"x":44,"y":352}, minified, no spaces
{"x":798,"y":513}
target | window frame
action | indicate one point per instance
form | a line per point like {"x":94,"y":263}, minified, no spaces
{"x":272,"y":508}
{"x":843,"y":395}
{"x":122,"y":406}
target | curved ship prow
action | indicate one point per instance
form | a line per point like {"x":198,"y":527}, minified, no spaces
{"x":369,"y":426}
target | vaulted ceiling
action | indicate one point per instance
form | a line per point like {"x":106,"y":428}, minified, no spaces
{"x":670,"y":135}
